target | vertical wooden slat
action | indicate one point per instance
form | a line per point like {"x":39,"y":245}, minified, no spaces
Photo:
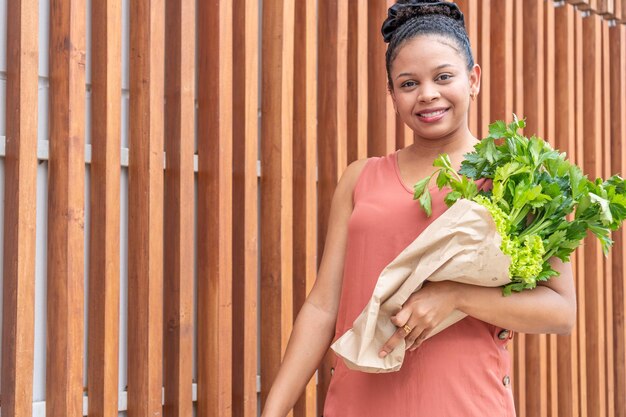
{"x":617,"y":64}
{"x":245,"y":217}
{"x":484,"y":58}
{"x":104,"y":234}
{"x":276,"y":186}
{"x":519,"y":370}
{"x":580,"y":255}
{"x":594,"y":271}
{"x":145,"y":235}
{"x":215,"y":201}
{"x":607,"y":260}
{"x":379,"y":141}
{"x":470,"y":11}
{"x":549,"y":93}
{"x":564,"y":135}
{"x":358,"y":48}
{"x":333,"y":122}
{"x":304,"y":173}
{"x":20,"y":170}
{"x":179,"y":195}
{"x":66,"y":217}
{"x":501,"y":64}
{"x":534,"y":111}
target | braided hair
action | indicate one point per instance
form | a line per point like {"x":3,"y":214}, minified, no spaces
{"x":408,"y":19}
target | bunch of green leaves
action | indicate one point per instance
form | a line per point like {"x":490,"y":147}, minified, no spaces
{"x":534,"y":191}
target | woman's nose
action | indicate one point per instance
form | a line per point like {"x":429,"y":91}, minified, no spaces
{"x":428,"y":94}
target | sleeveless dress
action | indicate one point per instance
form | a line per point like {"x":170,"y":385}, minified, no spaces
{"x":462,"y":371}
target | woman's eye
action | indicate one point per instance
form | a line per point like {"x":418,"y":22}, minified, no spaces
{"x":408,"y":84}
{"x":444,"y":77}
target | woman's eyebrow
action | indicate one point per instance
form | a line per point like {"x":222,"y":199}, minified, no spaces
{"x":410,"y":74}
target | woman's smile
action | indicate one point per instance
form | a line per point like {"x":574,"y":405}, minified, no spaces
{"x":432,"y":115}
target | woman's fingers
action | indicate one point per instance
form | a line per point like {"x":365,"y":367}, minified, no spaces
{"x":406,"y":332}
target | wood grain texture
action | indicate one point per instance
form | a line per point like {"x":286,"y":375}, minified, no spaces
{"x":379,"y":142}
{"x":535,"y":111}
{"x":66,"y":216}
{"x":276,"y":185}
{"x":617,"y":65}
{"x":178,"y":284}
{"x":357,"y":72}
{"x":215,"y":202}
{"x":245,"y":213}
{"x":594,"y":270}
{"x":564,"y":135}
{"x":145,"y":241}
{"x":501,"y":63}
{"x":304,"y":173}
{"x":20,"y":170}
{"x":104,"y":233}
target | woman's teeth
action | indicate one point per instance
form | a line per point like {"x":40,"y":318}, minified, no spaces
{"x":431,"y":114}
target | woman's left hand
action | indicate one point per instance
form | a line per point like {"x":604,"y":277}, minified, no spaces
{"x":421,"y":313}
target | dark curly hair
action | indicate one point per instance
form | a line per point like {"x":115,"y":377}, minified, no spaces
{"x":408,"y":19}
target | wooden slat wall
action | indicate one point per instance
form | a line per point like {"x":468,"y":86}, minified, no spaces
{"x":104,"y":253}
{"x":145,"y":235}
{"x":304,"y":98}
{"x":66,"y":214}
{"x":20,"y":170}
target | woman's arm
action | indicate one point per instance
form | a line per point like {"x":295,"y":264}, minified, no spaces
{"x":549,"y":308}
{"x":314,"y":327}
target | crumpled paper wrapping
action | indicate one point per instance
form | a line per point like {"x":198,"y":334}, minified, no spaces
{"x":460,"y":245}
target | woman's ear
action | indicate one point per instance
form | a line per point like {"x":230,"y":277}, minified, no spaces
{"x":474,"y":80}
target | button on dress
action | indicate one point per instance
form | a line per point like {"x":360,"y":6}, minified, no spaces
{"x":456,"y":373}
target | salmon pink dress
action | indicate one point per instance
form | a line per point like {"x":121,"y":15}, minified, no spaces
{"x":462,"y":371}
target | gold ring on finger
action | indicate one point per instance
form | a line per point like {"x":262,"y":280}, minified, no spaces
{"x":407,"y":328}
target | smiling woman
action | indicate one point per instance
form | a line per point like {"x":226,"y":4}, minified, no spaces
{"x":462,"y":371}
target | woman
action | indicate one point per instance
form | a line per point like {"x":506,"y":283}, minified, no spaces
{"x":462,"y":371}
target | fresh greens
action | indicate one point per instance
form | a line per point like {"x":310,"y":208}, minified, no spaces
{"x":534,"y":191}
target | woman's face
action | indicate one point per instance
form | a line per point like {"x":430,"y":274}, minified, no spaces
{"x":432,"y":86}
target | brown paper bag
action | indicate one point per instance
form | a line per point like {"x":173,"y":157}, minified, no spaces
{"x":461,"y":245}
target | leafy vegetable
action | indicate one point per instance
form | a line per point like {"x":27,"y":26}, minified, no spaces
{"x":534,"y":191}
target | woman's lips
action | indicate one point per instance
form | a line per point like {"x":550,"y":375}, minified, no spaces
{"x":431,"y":116}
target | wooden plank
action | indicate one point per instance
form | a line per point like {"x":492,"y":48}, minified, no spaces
{"x":471,"y":14}
{"x":104,"y":233}
{"x":179,"y":196}
{"x":245,"y":219}
{"x":564,"y":135}
{"x":607,"y":308}
{"x":358,"y":80}
{"x":617,"y":64}
{"x":549,"y":93}
{"x":379,"y":140}
{"x":501,"y":64}
{"x":594,"y":271}
{"x":66,"y":217}
{"x":276,"y":186}
{"x":534,"y":111}
{"x":484,"y":58}
{"x":519,"y":370}
{"x":145,"y":235}
{"x":332,"y":147}
{"x":215,"y":203}
{"x":20,"y":170}
{"x":304,"y":173}
{"x":580,"y":255}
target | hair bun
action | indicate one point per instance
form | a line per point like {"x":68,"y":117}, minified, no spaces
{"x":404,"y":10}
